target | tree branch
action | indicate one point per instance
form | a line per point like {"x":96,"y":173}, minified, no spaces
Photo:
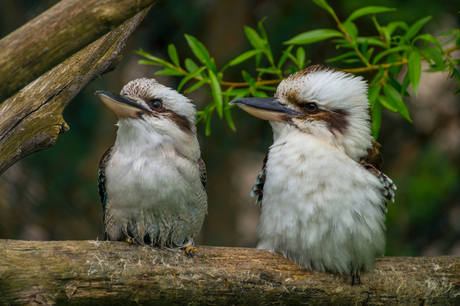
{"x":32,"y":118}
{"x":53,"y":36}
{"x":91,"y":272}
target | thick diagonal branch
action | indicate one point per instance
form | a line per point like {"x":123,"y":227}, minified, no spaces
{"x":31,"y":120}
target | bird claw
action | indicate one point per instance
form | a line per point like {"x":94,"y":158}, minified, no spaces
{"x":355,"y":276}
{"x":190,"y":250}
{"x":131,"y":241}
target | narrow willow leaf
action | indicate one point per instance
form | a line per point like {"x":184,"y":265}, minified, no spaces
{"x":416,"y":27}
{"x":285,"y":56}
{"x":246,"y":55}
{"x":415,"y":70}
{"x":369,"y":10}
{"x":376,"y":117}
{"x":208,"y":126}
{"x":256,"y":41}
{"x":190,"y":65}
{"x":228,"y":117}
{"x":387,"y":103}
{"x":435,"y":55}
{"x":351,"y":30}
{"x":301,"y":57}
{"x":323,"y":4}
{"x":196,"y":86}
{"x":190,"y":76}
{"x":390,"y":51}
{"x":313,"y":36}
{"x":429,"y":38}
{"x":371,"y":41}
{"x":395,"y":97}
{"x":216,"y":93}
{"x":170,"y":72}
{"x":200,"y":52}
{"x":148,"y":62}
{"x":246,"y":76}
{"x":392,"y":26}
{"x":373,"y":94}
{"x":173,"y":55}
{"x":340,"y":57}
{"x":405,"y":84}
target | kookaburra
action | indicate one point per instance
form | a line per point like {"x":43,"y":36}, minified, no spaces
{"x":322,"y":193}
{"x":151,"y":181}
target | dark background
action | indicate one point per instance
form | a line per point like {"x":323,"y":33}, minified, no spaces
{"x":52,"y":194}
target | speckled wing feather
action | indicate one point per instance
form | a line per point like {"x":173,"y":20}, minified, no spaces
{"x":258,"y":188}
{"x":372,"y":163}
{"x":203,"y":173}
{"x":101,"y":178}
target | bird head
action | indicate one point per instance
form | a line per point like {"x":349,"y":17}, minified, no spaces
{"x":147,"y":103}
{"x":324,"y":102}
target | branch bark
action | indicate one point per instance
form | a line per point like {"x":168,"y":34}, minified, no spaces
{"x":55,"y":35}
{"x":92,"y":272}
{"x":31,"y":120}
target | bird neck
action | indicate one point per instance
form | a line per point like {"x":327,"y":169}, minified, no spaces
{"x":135,"y":137}
{"x":354,"y":146}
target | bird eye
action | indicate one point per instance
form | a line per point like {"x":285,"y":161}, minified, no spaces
{"x":311,"y":107}
{"x":156,"y":104}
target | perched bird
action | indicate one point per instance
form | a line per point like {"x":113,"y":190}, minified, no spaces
{"x":321,"y":189}
{"x":151,"y":181}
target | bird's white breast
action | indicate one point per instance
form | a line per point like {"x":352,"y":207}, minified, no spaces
{"x":320,"y":208}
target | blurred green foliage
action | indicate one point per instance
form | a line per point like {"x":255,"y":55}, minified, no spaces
{"x":394,"y":46}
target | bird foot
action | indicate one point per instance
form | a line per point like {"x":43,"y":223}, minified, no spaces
{"x":190,"y":250}
{"x":131,"y":241}
{"x":355,"y":278}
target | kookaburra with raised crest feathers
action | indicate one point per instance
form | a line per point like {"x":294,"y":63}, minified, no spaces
{"x":151,"y":181}
{"x":323,"y":197}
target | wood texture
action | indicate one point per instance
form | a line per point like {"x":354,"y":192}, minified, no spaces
{"x":31,"y":120}
{"x":55,"y":35}
{"x":96,"y":273}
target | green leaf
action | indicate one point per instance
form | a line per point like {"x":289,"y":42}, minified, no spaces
{"x":395,"y":97}
{"x":435,"y":55}
{"x":208,"y":126}
{"x":216,"y":93}
{"x":376,"y":116}
{"x":416,"y":27}
{"x":196,"y":86}
{"x":157,"y":61}
{"x":173,"y":55}
{"x":373,"y":94}
{"x":388,"y":103}
{"x":200,"y":52}
{"x":369,"y":10}
{"x":285,"y":56}
{"x":301,"y":57}
{"x":313,"y":36}
{"x":190,"y":65}
{"x":228,"y":117}
{"x":323,"y":4}
{"x":429,"y":38}
{"x":390,"y":51}
{"x":148,"y":62}
{"x":341,"y":57}
{"x":415,"y":69}
{"x":392,"y":26}
{"x":256,"y":41}
{"x":371,"y":41}
{"x":351,"y":30}
{"x":170,"y":71}
{"x":246,"y":55}
{"x":246,"y":76}
{"x":190,"y":76}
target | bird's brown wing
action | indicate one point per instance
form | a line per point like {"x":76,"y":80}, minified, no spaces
{"x":203,"y":173}
{"x":372,"y":163}
{"x":258,"y":188}
{"x":101,"y":177}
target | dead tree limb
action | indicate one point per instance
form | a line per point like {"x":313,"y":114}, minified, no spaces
{"x":91,"y":272}
{"x":31,"y":120}
{"x":55,"y":35}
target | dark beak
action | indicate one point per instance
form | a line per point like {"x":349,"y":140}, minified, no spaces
{"x":266,"y":108}
{"x":122,"y":105}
